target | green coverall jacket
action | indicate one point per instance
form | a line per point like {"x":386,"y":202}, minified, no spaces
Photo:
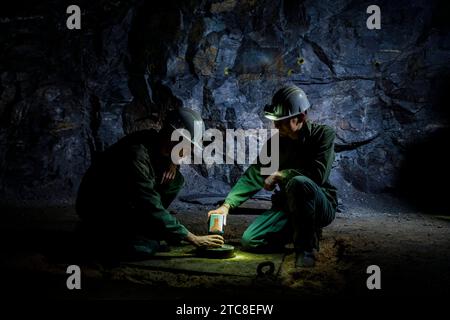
{"x":312,"y":155}
{"x":121,"y":189}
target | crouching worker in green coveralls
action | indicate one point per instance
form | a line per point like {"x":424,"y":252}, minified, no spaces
{"x":123,"y":197}
{"x":305,"y":201}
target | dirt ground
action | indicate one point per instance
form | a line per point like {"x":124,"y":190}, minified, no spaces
{"x":412,"y":250}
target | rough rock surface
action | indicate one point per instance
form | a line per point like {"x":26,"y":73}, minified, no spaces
{"x":67,"y":94}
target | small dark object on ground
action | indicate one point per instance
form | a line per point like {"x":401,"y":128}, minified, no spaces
{"x":269,"y":271}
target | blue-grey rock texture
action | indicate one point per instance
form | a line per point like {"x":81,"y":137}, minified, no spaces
{"x":67,"y":94}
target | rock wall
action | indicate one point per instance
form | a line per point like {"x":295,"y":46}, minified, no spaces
{"x":67,"y":94}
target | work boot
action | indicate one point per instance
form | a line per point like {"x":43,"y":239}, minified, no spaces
{"x":305,"y":259}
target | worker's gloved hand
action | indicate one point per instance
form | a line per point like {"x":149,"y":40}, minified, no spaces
{"x":272,"y":180}
{"x":169,"y":174}
{"x":223,"y":209}
{"x":209,"y":241}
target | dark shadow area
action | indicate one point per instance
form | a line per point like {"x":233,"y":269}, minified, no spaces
{"x":425,"y":174}
{"x":409,"y":248}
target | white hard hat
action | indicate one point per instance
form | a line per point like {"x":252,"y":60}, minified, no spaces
{"x":193,"y":123}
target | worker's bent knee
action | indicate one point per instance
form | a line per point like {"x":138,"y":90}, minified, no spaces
{"x":249,"y":242}
{"x":300,"y":185}
{"x":246,"y":240}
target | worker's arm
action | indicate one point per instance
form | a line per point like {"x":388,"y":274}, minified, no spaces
{"x":320,"y":168}
{"x":250,"y":183}
{"x":247,"y":185}
{"x":146,"y":199}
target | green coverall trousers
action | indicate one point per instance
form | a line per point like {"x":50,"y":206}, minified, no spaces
{"x":114,"y":221}
{"x":304,"y":211}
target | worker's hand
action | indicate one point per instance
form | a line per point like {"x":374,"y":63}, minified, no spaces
{"x":209,"y":241}
{"x":169,"y":174}
{"x":223,"y":209}
{"x":271,"y":181}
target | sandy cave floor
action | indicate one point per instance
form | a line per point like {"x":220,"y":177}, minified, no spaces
{"x":412,"y":250}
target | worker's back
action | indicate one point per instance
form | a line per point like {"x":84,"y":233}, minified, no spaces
{"x":105,"y":187}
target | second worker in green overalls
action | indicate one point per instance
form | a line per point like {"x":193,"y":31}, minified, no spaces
{"x":305,"y":201}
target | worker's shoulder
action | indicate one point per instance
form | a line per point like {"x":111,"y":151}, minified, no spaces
{"x":322,"y":130}
{"x":139,"y":139}
{"x":136,"y":144}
